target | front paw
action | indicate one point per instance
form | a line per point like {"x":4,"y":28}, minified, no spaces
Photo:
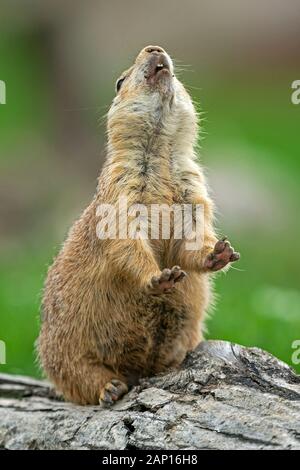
{"x":166,"y":281}
{"x":222,"y":254}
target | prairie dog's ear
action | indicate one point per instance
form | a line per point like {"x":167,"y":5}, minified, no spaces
{"x":119,"y":83}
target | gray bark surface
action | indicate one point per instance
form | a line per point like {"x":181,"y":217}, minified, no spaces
{"x":224,"y":396}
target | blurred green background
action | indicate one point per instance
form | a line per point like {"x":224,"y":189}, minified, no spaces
{"x":60,"y":60}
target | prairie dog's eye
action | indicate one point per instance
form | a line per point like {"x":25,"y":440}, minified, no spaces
{"x":119,"y":83}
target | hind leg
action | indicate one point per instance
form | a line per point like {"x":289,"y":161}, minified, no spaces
{"x":87,"y":384}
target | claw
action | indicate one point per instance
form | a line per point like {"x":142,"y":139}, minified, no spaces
{"x":221,"y":255}
{"x":166,"y":281}
{"x":112,"y":391}
{"x":235,"y":256}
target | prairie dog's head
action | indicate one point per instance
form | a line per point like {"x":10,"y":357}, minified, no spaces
{"x":152,"y":72}
{"x":149,"y":93}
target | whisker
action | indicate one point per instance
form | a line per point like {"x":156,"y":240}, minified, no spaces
{"x":238,"y":269}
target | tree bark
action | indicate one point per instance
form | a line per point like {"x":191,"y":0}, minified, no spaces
{"x":224,"y":396}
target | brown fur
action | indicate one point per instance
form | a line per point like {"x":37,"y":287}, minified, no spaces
{"x":100,"y":320}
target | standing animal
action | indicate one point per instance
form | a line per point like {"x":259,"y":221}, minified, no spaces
{"x":116,"y":309}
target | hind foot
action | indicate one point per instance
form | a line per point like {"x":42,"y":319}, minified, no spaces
{"x":112,"y":391}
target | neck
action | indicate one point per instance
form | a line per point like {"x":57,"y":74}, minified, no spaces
{"x":141,"y":148}
{"x":139,"y":156}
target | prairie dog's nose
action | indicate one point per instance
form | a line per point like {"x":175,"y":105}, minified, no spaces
{"x":154,"y":50}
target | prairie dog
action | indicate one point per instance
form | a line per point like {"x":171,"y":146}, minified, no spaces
{"x":117,"y":309}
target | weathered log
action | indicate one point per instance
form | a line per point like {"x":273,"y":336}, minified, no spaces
{"x":224,"y":396}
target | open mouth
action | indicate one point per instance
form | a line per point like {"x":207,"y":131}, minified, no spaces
{"x":158,"y":66}
{"x":161,"y":66}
